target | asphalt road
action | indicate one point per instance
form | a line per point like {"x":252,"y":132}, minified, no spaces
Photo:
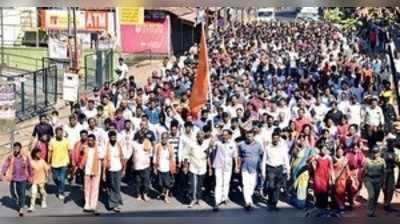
{"x":73,"y":205}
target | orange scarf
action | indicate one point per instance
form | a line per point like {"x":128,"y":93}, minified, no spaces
{"x":172,"y":165}
{"x":95,"y":165}
{"x":108,"y":159}
{"x":77,"y":158}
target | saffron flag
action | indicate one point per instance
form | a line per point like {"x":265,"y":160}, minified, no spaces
{"x":198,"y":97}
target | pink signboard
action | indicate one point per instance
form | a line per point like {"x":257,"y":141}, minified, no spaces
{"x":152,"y":35}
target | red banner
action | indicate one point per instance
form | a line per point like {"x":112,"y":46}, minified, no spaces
{"x":154,"y":36}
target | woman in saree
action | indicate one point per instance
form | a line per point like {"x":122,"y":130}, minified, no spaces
{"x":309,"y":135}
{"x":354,"y":146}
{"x":342,"y":173}
{"x":300,"y":175}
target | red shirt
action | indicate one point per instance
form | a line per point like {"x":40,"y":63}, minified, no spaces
{"x":343,"y":130}
{"x":43,"y":148}
{"x":300,"y":122}
{"x":321,"y":176}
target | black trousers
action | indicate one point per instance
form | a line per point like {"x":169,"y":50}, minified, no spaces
{"x":195,"y":186}
{"x":322,"y":200}
{"x":142,"y":181}
{"x":275,"y":177}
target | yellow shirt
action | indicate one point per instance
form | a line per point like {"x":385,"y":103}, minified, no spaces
{"x":388,"y":94}
{"x":59,"y":151}
{"x":109,"y":110}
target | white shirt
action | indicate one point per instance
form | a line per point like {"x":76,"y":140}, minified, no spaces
{"x":285,"y":113}
{"x":344,"y":106}
{"x":184,"y":142}
{"x":127,"y":114}
{"x":90,"y":160}
{"x":141,"y":158}
{"x":90,"y":113}
{"x":320,"y":112}
{"x":374,"y":116}
{"x":73,"y":134}
{"x":136,"y":123}
{"x":197,"y":157}
{"x":276,"y":155}
{"x":101,"y":139}
{"x":115,"y":162}
{"x":224,"y":155}
{"x":163,"y":165}
{"x":126,"y":140}
{"x":354,"y":114}
{"x":124,"y":71}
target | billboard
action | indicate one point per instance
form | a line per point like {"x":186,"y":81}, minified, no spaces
{"x":131,"y":15}
{"x":88,"y":21}
{"x":152,"y":35}
{"x":7,"y":107}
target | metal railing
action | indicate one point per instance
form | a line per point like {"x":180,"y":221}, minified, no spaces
{"x":35,"y":91}
{"x":22,"y":62}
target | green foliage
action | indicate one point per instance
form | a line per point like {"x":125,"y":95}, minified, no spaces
{"x":336,"y":16}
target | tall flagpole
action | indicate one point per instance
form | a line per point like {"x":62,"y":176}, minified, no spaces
{"x":204,"y":24}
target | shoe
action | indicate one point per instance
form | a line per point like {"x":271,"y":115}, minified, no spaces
{"x":31,"y":209}
{"x":216,"y":209}
{"x":197,"y":202}
{"x":248,"y":207}
{"x":145,"y":198}
{"x":20,"y":213}
{"x":191,"y":204}
{"x":390,"y":209}
{"x":85,"y":210}
{"x":117,"y":210}
{"x":44,"y":204}
{"x":166,"y":200}
{"x":61,"y":197}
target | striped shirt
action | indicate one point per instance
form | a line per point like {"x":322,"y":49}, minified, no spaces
{"x":174,"y":141}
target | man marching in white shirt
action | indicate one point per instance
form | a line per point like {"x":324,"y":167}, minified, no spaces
{"x":274,"y":164}
{"x":113,"y":171}
{"x":374,"y":114}
{"x":196,"y":159}
{"x":224,"y":153}
{"x":141,"y":158}
{"x":126,"y":139}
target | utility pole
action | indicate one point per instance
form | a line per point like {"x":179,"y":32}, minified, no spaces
{"x":2,"y":39}
{"x":394,"y":74}
{"x":37,"y":28}
{"x":75,"y":41}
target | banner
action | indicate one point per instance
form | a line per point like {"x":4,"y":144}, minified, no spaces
{"x":154,"y":36}
{"x":86,"y":21}
{"x":7,"y":107}
{"x":57,"y":49}
{"x":131,"y":15}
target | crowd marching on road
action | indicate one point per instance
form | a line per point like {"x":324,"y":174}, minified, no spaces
{"x":299,"y":110}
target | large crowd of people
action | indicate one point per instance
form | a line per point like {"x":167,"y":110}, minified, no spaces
{"x":298,"y":110}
